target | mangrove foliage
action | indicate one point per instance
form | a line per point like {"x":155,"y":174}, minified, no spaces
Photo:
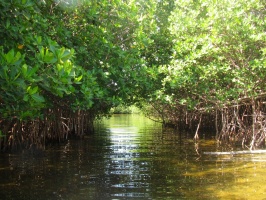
{"x":194,"y":64}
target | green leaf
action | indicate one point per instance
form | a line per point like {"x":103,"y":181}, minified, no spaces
{"x":32,"y":71}
{"x":41,"y":54}
{"x":7,"y":24}
{"x":17,"y":58}
{"x":59,"y":67}
{"x":38,"y":98}
{"x":3,"y":73}
{"x":24,"y":70}
{"x":78,"y":78}
{"x":49,"y":57}
{"x":26,"y":98}
{"x":34,"y":90}
{"x":53,"y":49}
{"x":39,"y":39}
{"x":10,"y":56}
{"x":66,"y":55}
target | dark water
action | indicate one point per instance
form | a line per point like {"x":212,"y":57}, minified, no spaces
{"x":131,"y":157}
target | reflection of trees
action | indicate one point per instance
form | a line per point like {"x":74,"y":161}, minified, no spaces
{"x":128,"y":161}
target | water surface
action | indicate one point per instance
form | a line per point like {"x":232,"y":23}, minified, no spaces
{"x":131,"y":157}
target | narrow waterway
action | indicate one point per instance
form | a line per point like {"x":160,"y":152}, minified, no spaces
{"x":132,"y":157}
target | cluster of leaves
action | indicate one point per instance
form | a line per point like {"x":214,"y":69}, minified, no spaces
{"x":79,"y":55}
{"x":218,"y":54}
{"x":93,"y":55}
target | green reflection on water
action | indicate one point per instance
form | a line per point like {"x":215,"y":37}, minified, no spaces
{"x":131,"y":157}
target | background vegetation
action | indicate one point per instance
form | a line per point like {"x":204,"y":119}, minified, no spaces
{"x":193,"y":64}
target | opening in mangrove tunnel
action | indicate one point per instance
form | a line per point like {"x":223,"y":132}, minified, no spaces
{"x":132,"y":157}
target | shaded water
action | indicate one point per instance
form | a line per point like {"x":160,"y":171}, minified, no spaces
{"x":131,"y":157}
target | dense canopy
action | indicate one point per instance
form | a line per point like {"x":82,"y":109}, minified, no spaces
{"x":192,"y":63}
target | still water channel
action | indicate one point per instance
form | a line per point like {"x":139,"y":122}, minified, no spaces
{"x":131,"y":157}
